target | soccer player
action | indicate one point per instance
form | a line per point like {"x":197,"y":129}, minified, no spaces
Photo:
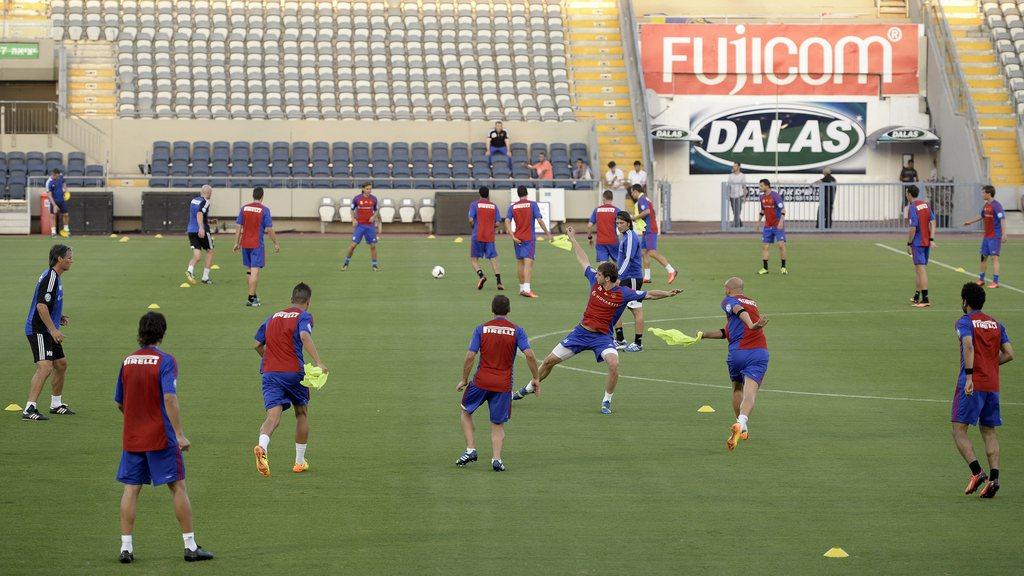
{"x":483,"y":217}
{"x":523,"y":213}
{"x":280,"y":341}
{"x":253,"y":220}
{"x":920,"y":238}
{"x":152,"y":438}
{"x":748,"y":354}
{"x":366,"y":225}
{"x":56,"y":188}
{"x":995,"y":234}
{"x":199,"y":236}
{"x":594,"y":332}
{"x":43,"y":329}
{"x":497,"y":341}
{"x":984,"y":346}
{"x":631,"y":275}
{"x":649,"y":242}
{"x":773,"y":212}
{"x":603,"y":218}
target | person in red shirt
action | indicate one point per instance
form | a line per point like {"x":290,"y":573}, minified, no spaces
{"x":603,"y":218}
{"x":984,"y":347}
{"x":522,"y":214}
{"x":543,"y":167}
{"x":253,"y":220}
{"x":649,"y":242}
{"x":365,"y":226}
{"x":152,"y":437}
{"x":484,"y":216}
{"x":920,"y":239}
{"x":773,"y":213}
{"x":496,"y":341}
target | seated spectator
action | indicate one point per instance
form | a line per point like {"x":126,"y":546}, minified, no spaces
{"x":581,"y":172}
{"x":498,"y":143}
{"x":543,"y":168}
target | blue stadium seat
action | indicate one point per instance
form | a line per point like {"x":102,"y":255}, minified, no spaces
{"x":460,"y":170}
{"x":382,"y":183}
{"x":161,"y":150}
{"x":300,"y":153}
{"x":360,"y":168}
{"x":442,"y":171}
{"x":423,"y":183}
{"x":476,"y":147}
{"x":519,"y":170}
{"x":181,"y":151}
{"x":340,"y":154}
{"x":379,"y":152}
{"x":559,"y":154}
{"x":200,"y":153}
{"x":380,"y":170}
{"x":360,"y":151}
{"x":535,"y":150}
{"x":200,"y":174}
{"x":400,"y":153}
{"x":221,"y":150}
{"x":460,"y":151}
{"x":578,"y":150}
{"x":420,"y":152}
{"x":240,"y":151}
{"x":16,"y":190}
{"x":501,"y":170}
{"x":260,"y":152}
{"x":481,"y":170}
{"x":421,"y":169}
{"x":281,"y":151}
{"x":439,"y":153}
{"x":519,"y":152}
{"x":16,"y":161}
{"x":321,"y":151}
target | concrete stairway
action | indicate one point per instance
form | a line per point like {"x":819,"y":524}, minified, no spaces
{"x":91,"y":81}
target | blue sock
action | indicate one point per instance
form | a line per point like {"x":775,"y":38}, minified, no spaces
{"x":347,"y":260}
{"x":996,"y":278}
{"x":981,"y":276}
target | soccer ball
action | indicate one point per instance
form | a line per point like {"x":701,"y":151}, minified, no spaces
{"x":437,"y":272}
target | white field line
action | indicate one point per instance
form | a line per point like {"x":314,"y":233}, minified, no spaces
{"x":947,"y":266}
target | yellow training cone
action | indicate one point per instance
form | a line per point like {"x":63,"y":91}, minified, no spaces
{"x":431,"y":236}
{"x":185,"y":285}
{"x":13,"y":408}
{"x":705,"y":409}
{"x":215,"y":267}
{"x":961,"y":270}
{"x":158,"y":236}
{"x":123,"y":239}
{"x":458,"y":239}
{"x":154,"y":306}
{"x":836,"y":552}
{"x":540,"y":238}
{"x":113,"y":235}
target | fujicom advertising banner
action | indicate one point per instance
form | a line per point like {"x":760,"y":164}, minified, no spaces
{"x":781,"y":59}
{"x":779,"y":137}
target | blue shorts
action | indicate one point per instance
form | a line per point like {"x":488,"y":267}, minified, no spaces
{"x":990,"y":246}
{"x":581,"y":339}
{"x":649,"y":241}
{"x":978,"y":408}
{"x":772,"y":235}
{"x":284,"y":389}
{"x":253,"y":257}
{"x":607,"y":252}
{"x":499,"y":403}
{"x":751,"y":364}
{"x":155,"y":467}
{"x":479,"y":249}
{"x":920,"y":255}
{"x":364,"y":231}
{"x":58,"y":206}
{"x":526,"y":250}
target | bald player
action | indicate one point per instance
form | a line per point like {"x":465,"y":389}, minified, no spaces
{"x":199,"y":237}
{"x":748,"y":354}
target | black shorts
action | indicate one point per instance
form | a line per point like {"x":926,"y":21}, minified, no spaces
{"x":634,"y":283}
{"x":198,"y":243}
{"x":44,"y":348}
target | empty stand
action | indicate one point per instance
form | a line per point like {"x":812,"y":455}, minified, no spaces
{"x":19,"y":169}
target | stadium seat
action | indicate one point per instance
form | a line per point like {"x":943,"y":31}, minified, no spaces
{"x":407,"y":210}
{"x":387,"y":210}
{"x":345,"y":209}
{"x":427,"y":210}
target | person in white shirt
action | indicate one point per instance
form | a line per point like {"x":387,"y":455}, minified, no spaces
{"x":615,"y":181}
{"x":737,"y":191}
{"x":638,"y":176}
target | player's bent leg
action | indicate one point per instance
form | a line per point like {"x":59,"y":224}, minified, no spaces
{"x":737,"y":396}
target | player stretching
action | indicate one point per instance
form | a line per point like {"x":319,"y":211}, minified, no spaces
{"x":496,"y":340}
{"x":523,"y":213}
{"x":199,"y":237}
{"x":630,"y":265}
{"x":603,"y":218}
{"x":594,"y":332}
{"x":253,"y":220}
{"x":773,"y":212}
{"x":920,"y":238}
{"x":280,"y":341}
{"x":748,"y":354}
{"x":366,"y":226}
{"x":649,"y":242}
{"x":42,"y":327}
{"x":995,"y":234}
{"x":56,"y":188}
{"x":984,"y":346}
{"x":152,"y":439}
{"x":483,"y":217}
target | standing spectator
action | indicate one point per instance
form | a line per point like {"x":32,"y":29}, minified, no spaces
{"x":580,"y":172}
{"x":827,"y":189}
{"x":543,"y":167}
{"x":908,"y":175}
{"x":638,"y":176}
{"x":615,"y":181}
{"x":737,"y":190}
{"x":498,"y":143}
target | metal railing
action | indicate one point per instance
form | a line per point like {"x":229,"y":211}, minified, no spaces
{"x":85,"y":136}
{"x":853,"y":206}
{"x":28,"y":117}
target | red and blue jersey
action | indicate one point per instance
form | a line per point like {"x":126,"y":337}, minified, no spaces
{"x":604,"y":217}
{"x":741,"y":338}
{"x":254,"y":218}
{"x":49,"y":293}
{"x":773,"y":209}
{"x":644,"y":203}
{"x":484,"y":215}
{"x":988,"y":337}
{"x":364,"y":207}
{"x":605,"y":306}
{"x":992,"y":217}
{"x":497,"y":342}
{"x":523,"y":213}
{"x":921,"y":217}
{"x":145,"y":376}
{"x":282,"y":335}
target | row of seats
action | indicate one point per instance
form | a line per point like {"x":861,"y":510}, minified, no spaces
{"x":17,"y":167}
{"x":407,"y":210}
{"x":328,"y":60}
{"x":1007,"y":29}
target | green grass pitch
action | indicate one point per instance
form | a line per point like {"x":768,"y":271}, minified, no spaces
{"x":650,"y":489}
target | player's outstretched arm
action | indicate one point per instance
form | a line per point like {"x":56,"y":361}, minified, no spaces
{"x":581,"y":256}
{"x":659,"y":294}
{"x":972,"y":220}
{"x":716,"y":334}
{"x":531,"y":363}
{"x":1005,"y":353}
{"x":467,"y":367}
{"x":171,"y":407}
{"x":307,"y":343}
